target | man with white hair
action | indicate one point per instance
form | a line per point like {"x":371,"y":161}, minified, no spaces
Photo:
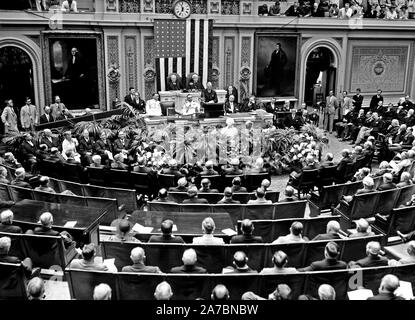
{"x":209,"y":171}
{"x":49,"y":139}
{"x":5,"y":257}
{"x":96,"y":161}
{"x":362,"y":229}
{"x":326,"y":292}
{"x":332,"y":232}
{"x":387,"y":183}
{"x":194,"y":83}
{"x":388,"y":286}
{"x":373,"y":258}
{"x":208,"y":228}
{"x":163,"y":291}
{"x":209,"y":94}
{"x":138,"y":258}
{"x":189,"y":263}
{"x":47,"y":116}
{"x":19,"y":181}
{"x":181,"y":185}
{"x":102,"y":292}
{"x":44,"y":185}
{"x":36,"y":289}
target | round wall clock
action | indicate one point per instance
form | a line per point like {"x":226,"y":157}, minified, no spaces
{"x":182,"y":9}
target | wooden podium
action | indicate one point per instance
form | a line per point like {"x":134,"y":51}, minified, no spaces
{"x":179,"y":97}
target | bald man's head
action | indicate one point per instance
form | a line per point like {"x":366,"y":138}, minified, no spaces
{"x":163,"y":291}
{"x":333,"y":226}
{"x":46,"y":219}
{"x":326,"y":292}
{"x":239,"y":260}
{"x":389,"y":284}
{"x":36,"y":288}
{"x":102,"y":292}
{"x":137,"y":255}
{"x":189,"y":257}
{"x":220,"y":292}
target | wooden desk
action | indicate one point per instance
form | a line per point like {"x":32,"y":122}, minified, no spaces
{"x":189,"y":224}
{"x":27,"y":213}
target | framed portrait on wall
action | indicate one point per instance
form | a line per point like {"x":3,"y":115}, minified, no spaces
{"x":74,"y":69}
{"x":276,"y":64}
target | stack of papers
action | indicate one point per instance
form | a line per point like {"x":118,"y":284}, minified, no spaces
{"x":70,"y":224}
{"x":229,"y":232}
{"x":405,"y":290}
{"x":360,"y":294}
{"x":142,"y":229}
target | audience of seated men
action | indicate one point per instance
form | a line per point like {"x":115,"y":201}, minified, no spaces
{"x":240,"y":264}
{"x":181,"y":185}
{"x":163,"y":291}
{"x":138,"y":258}
{"x":260,"y":197}
{"x":5,"y":244}
{"x":167,"y":234}
{"x":373,"y":258}
{"x":295,"y":235}
{"x":102,"y":292}
{"x":247,"y":228}
{"x":88,"y":261}
{"x":192,"y":194}
{"x":189,"y":263}
{"x":332,"y":232}
{"x":387,"y":182}
{"x":6,"y":222}
{"x":36,"y":289}
{"x":330,"y":262}
{"x":228,"y":197}
{"x":289,"y":195}
{"x":363,"y":229}
{"x":173,"y":169}
{"x":208,"y":228}
{"x":237,"y":185}
{"x":123,"y":232}
{"x":388,"y":286}
{"x":279,"y":260}
{"x":20,"y":181}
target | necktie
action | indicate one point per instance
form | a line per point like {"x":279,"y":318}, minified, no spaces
{"x":73,"y":60}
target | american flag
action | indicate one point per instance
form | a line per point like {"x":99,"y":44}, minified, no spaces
{"x":183,"y":47}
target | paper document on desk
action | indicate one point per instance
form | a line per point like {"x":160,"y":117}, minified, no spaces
{"x":70,"y":224}
{"x":174,"y":228}
{"x":229,"y":232}
{"x":405,"y":290}
{"x":141,"y":229}
{"x":360,"y":294}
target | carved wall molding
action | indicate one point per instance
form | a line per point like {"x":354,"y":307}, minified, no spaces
{"x":130,"y":6}
{"x":247,"y":7}
{"x":229,"y":60}
{"x":131,"y":61}
{"x":214,"y":7}
{"x":111,"y":5}
{"x":148,"y":5}
{"x":215,"y":62}
{"x":113,"y":58}
{"x":149,"y":68}
{"x":245,"y":70}
{"x":230,"y":7}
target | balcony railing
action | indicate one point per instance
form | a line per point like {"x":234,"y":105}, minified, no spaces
{"x":129,"y":6}
{"x":166,"y":6}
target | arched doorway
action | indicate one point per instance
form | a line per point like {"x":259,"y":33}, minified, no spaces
{"x":320,"y":75}
{"x":16,"y":76}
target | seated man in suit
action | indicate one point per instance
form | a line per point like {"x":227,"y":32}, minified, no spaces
{"x":332,"y":232}
{"x":5,"y":244}
{"x":189,"y":264}
{"x":122,"y":144}
{"x":227,"y":197}
{"x":290,"y":120}
{"x":44,"y":185}
{"x":295,"y":235}
{"x":208,"y":228}
{"x":234,"y":169}
{"x":247,"y":228}
{"x":181,"y":185}
{"x":102,"y":292}
{"x":236,"y":186}
{"x":55,"y":155}
{"x":330,"y":262}
{"x":19,"y":181}
{"x":230,"y":105}
{"x":363,"y":229}
{"x":387,"y":183}
{"x":11,"y":161}
{"x":280,"y":260}
{"x":209,"y":171}
{"x":209,"y":94}
{"x":123,"y":233}
{"x":195,"y":84}
{"x":86,"y":147}
{"x":49,"y":139}
{"x":6,"y":224}
{"x":373,"y":259}
{"x":249,"y":105}
{"x":88,"y":261}
{"x":141,"y":166}
{"x":173,"y":84}
{"x":289,"y":195}
{"x":368,"y":187}
{"x":265,"y":184}
{"x":328,"y":161}
{"x":205,"y":183}
{"x":167,"y":234}
{"x":406,"y":180}
{"x":173,"y":169}
{"x":240,"y":264}
{"x":193,"y":198}
{"x":133,"y":99}
{"x":47,"y":116}
{"x":260,"y":197}
{"x":409,"y":259}
{"x":163,"y":196}
{"x":387,"y":288}
{"x":118,"y":162}
{"x":138,"y":257}
{"x":96,"y":162}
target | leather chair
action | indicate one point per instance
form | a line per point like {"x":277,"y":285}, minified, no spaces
{"x":141,"y":182}
{"x":317,"y":225}
{"x":166,"y":180}
{"x":306,"y":182}
{"x":295,"y":252}
{"x":52,"y":168}
{"x":326,"y":176}
{"x":167,"y":107}
{"x":253,"y":181}
{"x":288,"y":210}
{"x":327,"y":198}
{"x":355,"y":248}
{"x":243,"y":197}
{"x":259,"y":211}
{"x":215,"y":181}
{"x":405,"y":195}
{"x":97,"y":176}
{"x":210,"y":257}
{"x":17,"y":248}
{"x":190,"y":286}
{"x":235,"y":211}
{"x":120,"y":179}
{"x":118,"y":251}
{"x":386,"y":202}
{"x":164,"y":255}
{"x":72,"y":172}
{"x":338,"y":279}
{"x":127,"y":197}
{"x":137,"y":286}
{"x":12,"y":282}
{"x":315,"y":250}
{"x":350,"y":189}
{"x":76,"y":188}
{"x":18,"y":194}
{"x":256,"y":253}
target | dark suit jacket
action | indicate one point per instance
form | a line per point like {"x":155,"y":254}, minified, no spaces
{"x":43,"y":119}
{"x":385,"y":296}
{"x":210,"y":96}
{"x":28,"y":150}
{"x":228,"y":201}
{"x":246,"y":107}
{"x":166,"y":239}
{"x":289,"y":121}
{"x":118,"y":146}
{"x":141,"y":268}
{"x":85,"y":146}
{"x":239,"y":189}
{"x":246,"y":238}
{"x":325,"y":264}
{"x":174,"y":86}
{"x":387,"y":186}
{"x":228,"y":108}
{"x":195,"y":86}
{"x":195,"y":200}
{"x":9,"y":228}
{"x":100,"y":146}
{"x":140,"y":105}
{"x":188,"y":269}
{"x":54,"y":143}
{"x":371,"y":261}
{"x":326,"y":236}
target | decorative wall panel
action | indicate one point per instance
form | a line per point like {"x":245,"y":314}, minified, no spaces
{"x":379,"y":67}
{"x":113,"y":63}
{"x":149,"y":70}
{"x":245,"y":70}
{"x":129,"y":6}
{"x":230,"y":7}
{"x":229,"y":60}
{"x":215,"y":62}
{"x":131,"y":61}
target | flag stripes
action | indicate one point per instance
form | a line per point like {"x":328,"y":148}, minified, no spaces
{"x":189,"y":52}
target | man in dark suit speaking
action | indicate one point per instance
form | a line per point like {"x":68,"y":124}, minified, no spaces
{"x":275,"y":69}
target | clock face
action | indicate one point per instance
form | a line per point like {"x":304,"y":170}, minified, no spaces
{"x":182,"y":9}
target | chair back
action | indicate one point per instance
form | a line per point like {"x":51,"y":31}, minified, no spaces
{"x":330,"y":196}
{"x":351,"y":188}
{"x":256,"y":253}
{"x":205,"y":208}
{"x":97,"y":176}
{"x":215,"y":181}
{"x":120,"y":178}
{"x":295,"y":251}
{"x":387,"y":200}
{"x":71,"y":172}
{"x":405,"y":195}
{"x":338,"y":279}
{"x":166,"y":180}
{"x":402,"y":219}
{"x":140,"y":181}
{"x":164,"y":255}
{"x":326,"y":175}
{"x":259,"y":211}
{"x":120,"y":251}
{"x":364,"y":205}
{"x":317,"y":225}
{"x":4,"y":192}
{"x":138,"y":286}
{"x":235,"y":211}
{"x":295,"y":281}
{"x":45,"y":196}
{"x":244,"y":197}
{"x":74,"y":187}
{"x":309,"y":179}
{"x":45,"y":251}
{"x":355,"y":248}
{"x":163,"y":206}
{"x":253,"y":181}
{"x":19,"y":194}
{"x":54,"y":169}
{"x":288,"y":210}
{"x":12,"y":282}
{"x":17,"y":248}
